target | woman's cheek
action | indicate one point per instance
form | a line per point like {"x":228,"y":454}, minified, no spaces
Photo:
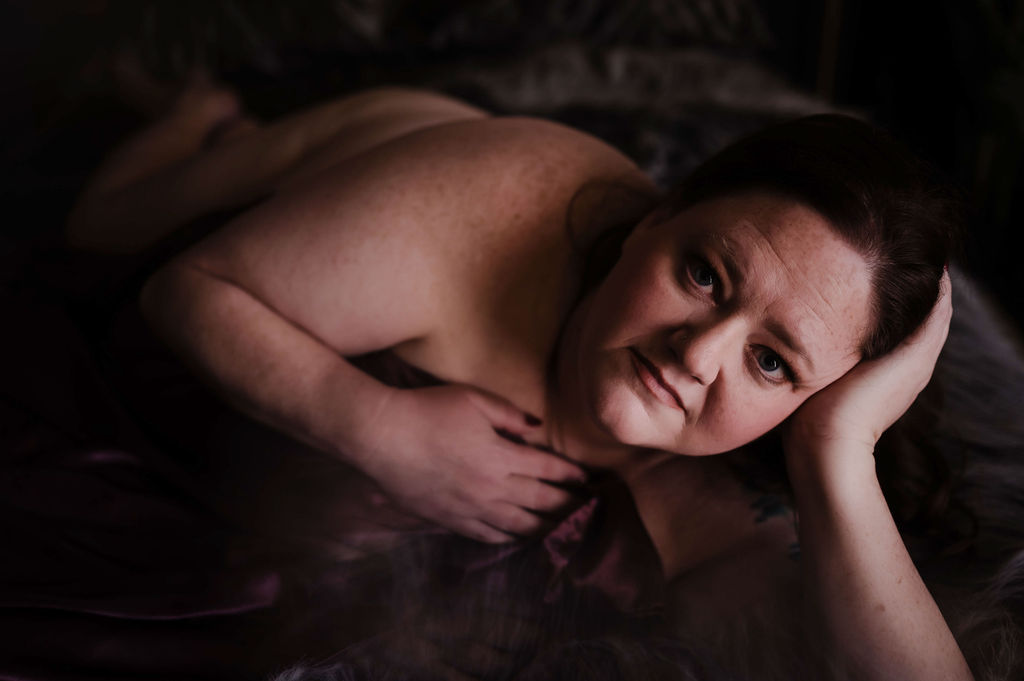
{"x":645,"y":294}
{"x":745,"y":420}
{"x":779,"y":410}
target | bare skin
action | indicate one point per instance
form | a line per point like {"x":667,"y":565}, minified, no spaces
{"x":173,"y":171}
{"x":408,"y":221}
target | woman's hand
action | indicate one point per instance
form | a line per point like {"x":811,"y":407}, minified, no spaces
{"x":469,"y":461}
{"x":871,"y":614}
{"x":861,"y":405}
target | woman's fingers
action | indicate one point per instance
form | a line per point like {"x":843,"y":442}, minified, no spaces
{"x":481,"y":531}
{"x":528,"y":504}
{"x":936,"y":327}
{"x":537,"y":495}
{"x":504,"y":415}
{"x":522,"y":497}
{"x":865,"y":402}
{"x":933,"y":333}
{"x":914,"y":359}
{"x":540,"y":461}
{"x":473,"y":466}
{"x":525,"y":429}
{"x":514,"y":520}
{"x":532,"y":463}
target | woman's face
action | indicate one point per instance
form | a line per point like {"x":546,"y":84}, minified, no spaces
{"x":716,"y":324}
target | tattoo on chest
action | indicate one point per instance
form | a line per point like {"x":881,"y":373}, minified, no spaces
{"x":771,"y":506}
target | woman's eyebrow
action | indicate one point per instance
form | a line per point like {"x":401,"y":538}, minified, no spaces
{"x":727,"y":250}
{"x":781,"y":332}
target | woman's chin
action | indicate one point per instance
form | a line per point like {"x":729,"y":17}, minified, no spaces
{"x":629,"y":423}
{"x":634,"y":426}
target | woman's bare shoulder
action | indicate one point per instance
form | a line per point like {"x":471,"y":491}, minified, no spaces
{"x":510,"y":182}
{"x":525,"y":136}
{"x":529,"y":164}
{"x":408,"y":228}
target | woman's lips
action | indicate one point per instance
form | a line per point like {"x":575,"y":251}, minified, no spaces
{"x":651,"y":377}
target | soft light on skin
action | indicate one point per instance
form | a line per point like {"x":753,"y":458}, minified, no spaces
{"x":779,"y":270}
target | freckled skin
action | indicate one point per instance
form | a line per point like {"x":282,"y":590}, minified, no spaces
{"x":797,"y":273}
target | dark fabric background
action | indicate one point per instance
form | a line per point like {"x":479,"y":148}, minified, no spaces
{"x":667,"y":80}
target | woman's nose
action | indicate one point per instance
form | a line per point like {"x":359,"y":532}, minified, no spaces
{"x":702,"y":350}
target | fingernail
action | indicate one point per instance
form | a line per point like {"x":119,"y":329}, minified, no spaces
{"x":531,"y":420}
{"x":945,"y":267}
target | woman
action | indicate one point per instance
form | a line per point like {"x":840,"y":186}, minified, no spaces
{"x":412,"y":223}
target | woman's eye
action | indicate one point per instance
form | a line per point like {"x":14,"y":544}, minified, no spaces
{"x":702,"y":274}
{"x":772,"y":365}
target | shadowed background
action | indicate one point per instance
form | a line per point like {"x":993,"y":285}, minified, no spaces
{"x":669,"y":81}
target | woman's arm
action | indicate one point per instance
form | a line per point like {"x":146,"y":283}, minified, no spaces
{"x":864,"y":593}
{"x":471,"y":481}
{"x":264,"y":364}
{"x":880,"y":619}
{"x":381,"y":251}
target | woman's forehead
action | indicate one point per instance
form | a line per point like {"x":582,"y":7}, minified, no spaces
{"x":757,"y":226}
